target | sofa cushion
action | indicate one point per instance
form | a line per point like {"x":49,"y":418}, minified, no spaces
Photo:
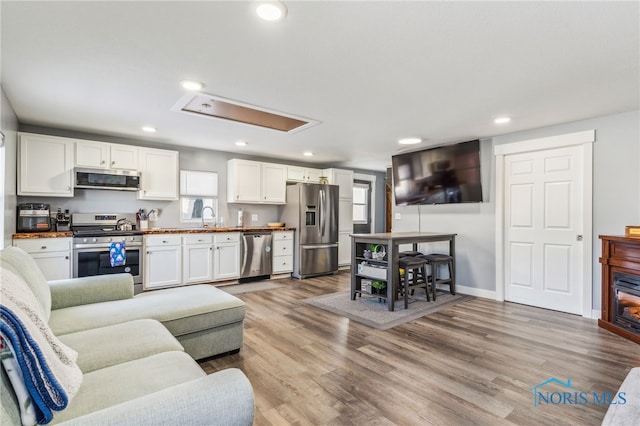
{"x":106,"y":346}
{"x":21,"y":263}
{"x":182,"y":310}
{"x":123,"y":382}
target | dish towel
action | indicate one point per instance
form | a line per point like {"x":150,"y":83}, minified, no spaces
{"x":42,"y":370}
{"x":118,"y":254}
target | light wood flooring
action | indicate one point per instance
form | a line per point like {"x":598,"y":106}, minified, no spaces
{"x":473,"y":363}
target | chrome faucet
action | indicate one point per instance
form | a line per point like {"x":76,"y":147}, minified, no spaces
{"x":213,"y":215}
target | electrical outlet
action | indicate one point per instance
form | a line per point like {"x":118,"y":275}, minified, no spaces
{"x":254,"y":218}
{"x":398,"y":216}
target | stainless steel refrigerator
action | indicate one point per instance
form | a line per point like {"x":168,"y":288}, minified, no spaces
{"x":313,"y":210}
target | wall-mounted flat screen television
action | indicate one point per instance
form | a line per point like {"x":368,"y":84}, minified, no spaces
{"x":446,"y":174}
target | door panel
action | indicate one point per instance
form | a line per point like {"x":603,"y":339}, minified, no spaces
{"x":544,"y":211}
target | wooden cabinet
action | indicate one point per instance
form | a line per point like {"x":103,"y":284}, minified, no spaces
{"x":158,"y":174}
{"x":282,"y":260}
{"x":102,"y":155}
{"x":226,"y":256}
{"x":302,"y":174}
{"x":53,"y":255}
{"x":255,"y":182}
{"x":162,"y":261}
{"x":45,"y":166}
{"x":197,"y":258}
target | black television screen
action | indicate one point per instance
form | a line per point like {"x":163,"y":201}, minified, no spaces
{"x":446,"y":174}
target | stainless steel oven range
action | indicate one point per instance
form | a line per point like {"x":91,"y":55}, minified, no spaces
{"x":93,"y":234}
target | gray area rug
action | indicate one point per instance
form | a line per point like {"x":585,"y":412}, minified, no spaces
{"x":369,"y":311}
{"x":250,"y":287}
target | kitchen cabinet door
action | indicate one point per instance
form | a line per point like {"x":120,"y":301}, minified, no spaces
{"x":162,"y":261}
{"x":344,"y":248}
{"x":274,"y":183}
{"x":52,"y":255}
{"x":342,"y":178}
{"x":45,"y":166}
{"x":123,"y":157}
{"x":158,"y":174}
{"x":226,"y":256}
{"x":91,"y":154}
{"x":243,"y":181}
{"x":197,"y":263}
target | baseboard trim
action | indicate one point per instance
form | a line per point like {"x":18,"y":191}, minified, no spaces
{"x":472,"y":291}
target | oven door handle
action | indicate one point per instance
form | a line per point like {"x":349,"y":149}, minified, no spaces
{"x":91,"y":247}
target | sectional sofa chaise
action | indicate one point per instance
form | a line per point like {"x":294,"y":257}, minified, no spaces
{"x":135,"y":354}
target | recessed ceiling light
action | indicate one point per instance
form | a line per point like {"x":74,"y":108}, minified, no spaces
{"x":502,"y":120}
{"x":241,"y":143}
{"x":272,"y":11}
{"x":308,"y":154}
{"x":409,"y":141}
{"x":191,"y":85}
{"x":148,"y":129}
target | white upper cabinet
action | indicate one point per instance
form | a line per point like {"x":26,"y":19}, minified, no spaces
{"x":274,"y":183}
{"x":342,"y":178}
{"x":45,"y":166}
{"x":302,"y":174}
{"x":158,"y":174}
{"x":102,"y":155}
{"x":256,"y":182}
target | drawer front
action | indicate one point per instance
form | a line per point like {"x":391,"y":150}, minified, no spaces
{"x":282,"y":235}
{"x":226,"y":237}
{"x":40,"y":245}
{"x":197,"y":239}
{"x":282,"y":247}
{"x":163,"y":240}
{"x":282,"y":264}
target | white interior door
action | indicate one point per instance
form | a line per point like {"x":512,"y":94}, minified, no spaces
{"x":543,"y":231}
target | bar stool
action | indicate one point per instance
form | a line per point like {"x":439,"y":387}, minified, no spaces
{"x":410,"y":253}
{"x":435,"y":261}
{"x":417,"y":267}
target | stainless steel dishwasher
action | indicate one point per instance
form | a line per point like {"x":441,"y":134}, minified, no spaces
{"x":256,"y":254}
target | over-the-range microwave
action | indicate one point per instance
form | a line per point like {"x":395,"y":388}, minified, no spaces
{"x":124,"y":180}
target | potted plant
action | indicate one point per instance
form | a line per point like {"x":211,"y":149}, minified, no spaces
{"x":378,"y":287}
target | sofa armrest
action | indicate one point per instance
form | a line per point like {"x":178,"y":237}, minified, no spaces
{"x":86,"y":290}
{"x":222,"y":398}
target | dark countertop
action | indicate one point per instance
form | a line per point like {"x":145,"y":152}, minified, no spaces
{"x":159,"y":231}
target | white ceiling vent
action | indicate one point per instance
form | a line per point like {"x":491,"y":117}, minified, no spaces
{"x":211,"y":106}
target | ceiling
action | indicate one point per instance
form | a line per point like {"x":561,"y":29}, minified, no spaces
{"x":368,"y":72}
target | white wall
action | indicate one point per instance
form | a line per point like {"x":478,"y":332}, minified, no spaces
{"x":8,"y":166}
{"x":616,"y":200}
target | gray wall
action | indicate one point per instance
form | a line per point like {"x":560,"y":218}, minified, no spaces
{"x":616,"y":199}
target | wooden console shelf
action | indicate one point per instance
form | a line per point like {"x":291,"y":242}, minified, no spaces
{"x":619,"y":254}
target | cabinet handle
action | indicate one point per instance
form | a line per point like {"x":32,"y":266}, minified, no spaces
{"x":102,"y":162}
{"x":43,"y":247}
{"x":164,"y":241}
{"x":66,"y":257}
{"x":113,"y":163}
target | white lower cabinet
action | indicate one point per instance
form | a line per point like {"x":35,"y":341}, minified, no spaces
{"x":197,"y":258}
{"x":282,"y":260}
{"x":52,"y":255}
{"x":226,"y":256}
{"x":163,"y":261}
{"x":344,"y":248}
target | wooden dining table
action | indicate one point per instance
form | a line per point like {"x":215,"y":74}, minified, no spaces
{"x":391,"y":242}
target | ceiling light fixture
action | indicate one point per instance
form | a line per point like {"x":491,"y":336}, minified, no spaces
{"x":148,"y":129}
{"x":271,"y":11}
{"x":409,"y":141}
{"x":191,"y":85}
{"x":308,"y":154}
{"x":241,"y":143}
{"x":502,"y":120}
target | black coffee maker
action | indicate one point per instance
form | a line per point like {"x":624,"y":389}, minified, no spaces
{"x":63,"y":221}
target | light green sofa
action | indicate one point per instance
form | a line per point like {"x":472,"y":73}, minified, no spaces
{"x":131,"y":350}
